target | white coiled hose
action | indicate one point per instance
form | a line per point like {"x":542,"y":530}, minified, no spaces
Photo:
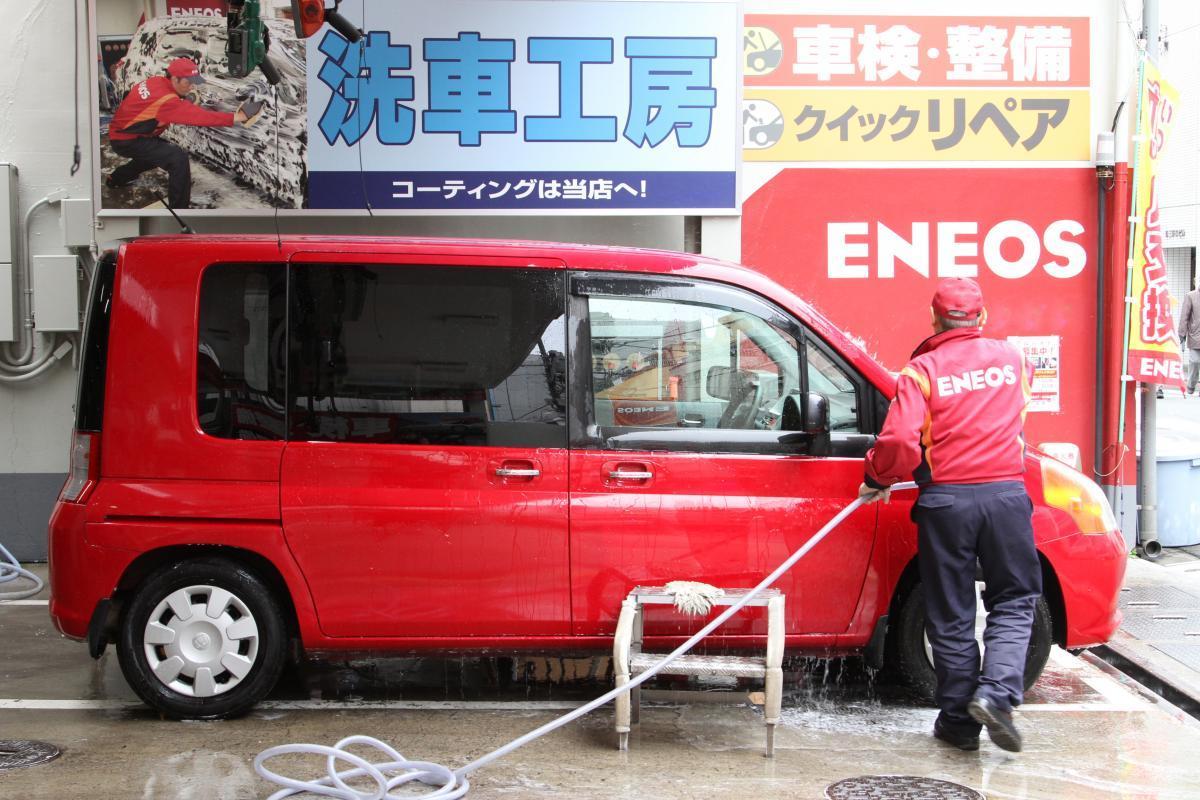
{"x":446,"y":784}
{"x":11,"y":570}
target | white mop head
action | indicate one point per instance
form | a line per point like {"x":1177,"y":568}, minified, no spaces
{"x":692,"y":597}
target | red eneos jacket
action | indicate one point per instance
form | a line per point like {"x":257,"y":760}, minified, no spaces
{"x":152,"y":105}
{"x":957,"y":416}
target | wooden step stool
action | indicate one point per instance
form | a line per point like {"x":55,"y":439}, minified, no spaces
{"x":629,"y":660}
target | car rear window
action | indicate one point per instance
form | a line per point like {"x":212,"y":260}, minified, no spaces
{"x":411,"y":354}
{"x":89,"y":405}
{"x":240,"y":358}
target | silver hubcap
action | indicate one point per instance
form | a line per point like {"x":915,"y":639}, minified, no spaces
{"x":201,"y":641}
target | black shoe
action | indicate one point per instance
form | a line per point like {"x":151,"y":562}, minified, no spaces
{"x":959,"y":739}
{"x":1000,"y":727}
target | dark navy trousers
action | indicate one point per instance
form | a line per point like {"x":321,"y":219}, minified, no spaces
{"x":957,"y":525}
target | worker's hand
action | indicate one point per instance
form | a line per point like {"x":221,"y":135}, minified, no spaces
{"x":248,"y":112}
{"x":869,"y":495}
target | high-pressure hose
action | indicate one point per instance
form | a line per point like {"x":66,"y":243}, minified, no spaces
{"x":11,"y":570}
{"x":448,"y":784}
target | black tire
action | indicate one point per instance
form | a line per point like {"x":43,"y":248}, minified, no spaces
{"x":266,"y":652}
{"x":909,"y":660}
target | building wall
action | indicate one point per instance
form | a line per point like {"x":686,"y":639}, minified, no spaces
{"x":118,"y":17}
{"x":1180,"y":205}
{"x":37,"y":134}
{"x":1180,"y":201}
{"x":1180,"y":267}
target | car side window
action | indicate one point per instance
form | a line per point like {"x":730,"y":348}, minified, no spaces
{"x":827,"y":378}
{"x":411,"y":354}
{"x":675,"y":364}
{"x":240,"y":357}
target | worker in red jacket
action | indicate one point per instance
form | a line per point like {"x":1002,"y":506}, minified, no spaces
{"x":955,"y":427}
{"x":135,"y":131}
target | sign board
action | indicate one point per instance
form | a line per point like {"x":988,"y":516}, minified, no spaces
{"x":867,"y":247}
{"x":458,"y":106}
{"x":886,"y":88}
{"x":203,"y":8}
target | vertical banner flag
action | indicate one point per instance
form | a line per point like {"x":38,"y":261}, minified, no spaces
{"x":1154,"y":355}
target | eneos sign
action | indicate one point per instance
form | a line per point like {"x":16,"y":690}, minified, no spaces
{"x":1010,"y":249}
{"x":867,"y":247}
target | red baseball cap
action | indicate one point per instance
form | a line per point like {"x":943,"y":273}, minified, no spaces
{"x":958,"y":298}
{"x":185,"y":68}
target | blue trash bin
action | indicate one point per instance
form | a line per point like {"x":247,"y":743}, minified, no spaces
{"x":1179,"y":500}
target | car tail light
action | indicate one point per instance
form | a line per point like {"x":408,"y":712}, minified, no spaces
{"x":85,"y":464}
{"x":309,"y":16}
{"x":1066,"y":489}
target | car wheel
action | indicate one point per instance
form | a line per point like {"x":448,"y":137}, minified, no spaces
{"x":203,"y":639}
{"x":910,"y":657}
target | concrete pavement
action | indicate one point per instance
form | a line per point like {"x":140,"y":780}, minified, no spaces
{"x":1089,"y":732}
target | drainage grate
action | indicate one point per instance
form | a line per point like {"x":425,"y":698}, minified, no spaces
{"x":899,"y":787}
{"x":17,"y":753}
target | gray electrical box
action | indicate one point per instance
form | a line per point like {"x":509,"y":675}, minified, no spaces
{"x":55,"y":293}
{"x":8,"y":252}
{"x":76,"y":215}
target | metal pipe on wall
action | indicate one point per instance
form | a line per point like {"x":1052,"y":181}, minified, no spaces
{"x":1148,"y":544}
{"x":1105,"y":165}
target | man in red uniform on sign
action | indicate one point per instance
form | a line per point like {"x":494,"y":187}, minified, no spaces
{"x":955,"y":427}
{"x":136,"y":129}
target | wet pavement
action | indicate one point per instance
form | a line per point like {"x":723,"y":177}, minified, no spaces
{"x":1089,"y":732}
{"x":1160,"y":633}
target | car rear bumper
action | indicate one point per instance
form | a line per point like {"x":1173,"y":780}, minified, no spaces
{"x":81,"y":575}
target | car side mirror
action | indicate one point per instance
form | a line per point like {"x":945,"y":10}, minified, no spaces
{"x":807,"y":414}
{"x":814,"y":408}
{"x":719,"y":382}
{"x":815,"y":413}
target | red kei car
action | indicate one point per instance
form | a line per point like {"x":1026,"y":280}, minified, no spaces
{"x":409,"y":445}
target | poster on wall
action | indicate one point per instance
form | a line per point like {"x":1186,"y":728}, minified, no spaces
{"x":1042,"y":354}
{"x":457,"y":106}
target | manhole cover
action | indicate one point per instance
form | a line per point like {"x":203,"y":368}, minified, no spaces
{"x":17,"y":753}
{"x":899,"y":787}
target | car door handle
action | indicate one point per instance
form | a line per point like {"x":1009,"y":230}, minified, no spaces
{"x":629,"y":475}
{"x":512,"y":472}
